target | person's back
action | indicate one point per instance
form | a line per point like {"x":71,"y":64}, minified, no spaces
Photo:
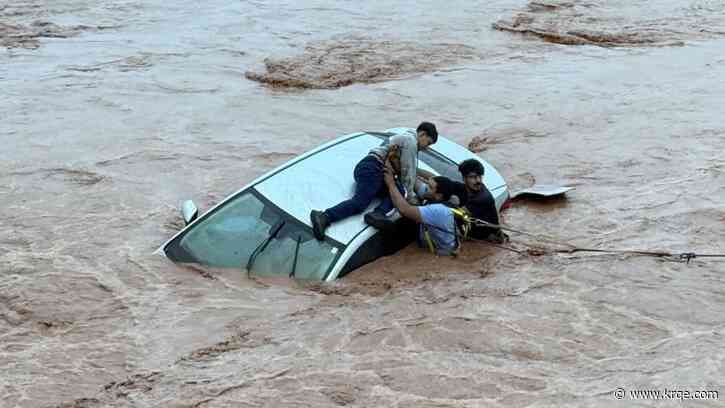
{"x":407,"y":145}
{"x":438,"y":228}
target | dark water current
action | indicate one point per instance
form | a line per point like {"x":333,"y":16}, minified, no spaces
{"x":113,"y":112}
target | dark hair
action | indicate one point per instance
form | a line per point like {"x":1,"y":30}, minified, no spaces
{"x":470,"y":166}
{"x":459,"y":190}
{"x":429,"y":129}
{"x":445,"y":187}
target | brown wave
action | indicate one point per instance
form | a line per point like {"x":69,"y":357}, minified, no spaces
{"x":80,"y":403}
{"x":133,"y":63}
{"x":484,"y":141}
{"x":78,"y":176}
{"x":28,"y":36}
{"x":235,"y":342}
{"x":113,"y":391}
{"x":342,"y":394}
{"x":27,"y":8}
{"x":335,"y":64}
{"x":587,"y":23}
{"x":14,"y":311}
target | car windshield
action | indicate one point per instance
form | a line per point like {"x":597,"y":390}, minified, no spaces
{"x":230,"y":235}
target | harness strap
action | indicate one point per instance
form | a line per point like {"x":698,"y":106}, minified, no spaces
{"x":429,"y":241}
{"x":466,"y":221}
{"x":465,"y":228}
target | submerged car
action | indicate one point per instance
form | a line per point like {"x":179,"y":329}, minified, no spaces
{"x":265,"y":226}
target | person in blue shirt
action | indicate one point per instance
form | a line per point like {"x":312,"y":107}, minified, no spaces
{"x":436,"y":219}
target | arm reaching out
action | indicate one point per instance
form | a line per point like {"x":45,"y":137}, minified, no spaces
{"x":406,"y":210}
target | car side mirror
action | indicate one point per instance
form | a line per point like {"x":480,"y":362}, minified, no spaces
{"x":189,"y":211}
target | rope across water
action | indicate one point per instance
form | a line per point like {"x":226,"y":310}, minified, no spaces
{"x":570,"y":248}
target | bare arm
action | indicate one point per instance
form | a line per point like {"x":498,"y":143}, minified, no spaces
{"x":406,"y":210}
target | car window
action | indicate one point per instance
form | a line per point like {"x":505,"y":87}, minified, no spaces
{"x":440,"y":164}
{"x":229,"y":236}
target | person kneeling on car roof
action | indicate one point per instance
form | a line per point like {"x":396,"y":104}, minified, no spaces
{"x":369,"y":184}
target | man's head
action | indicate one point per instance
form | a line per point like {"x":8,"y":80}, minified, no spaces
{"x":440,"y":189}
{"x":472,"y":172}
{"x":427,"y":134}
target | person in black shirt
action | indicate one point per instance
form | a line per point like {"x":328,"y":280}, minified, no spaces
{"x":479,"y":202}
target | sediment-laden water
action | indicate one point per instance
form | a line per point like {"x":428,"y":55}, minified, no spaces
{"x":112,"y":113}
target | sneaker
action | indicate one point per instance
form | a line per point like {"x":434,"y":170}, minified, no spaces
{"x":320,"y":222}
{"x":378,"y":220}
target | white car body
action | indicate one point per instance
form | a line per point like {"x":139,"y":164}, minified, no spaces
{"x":318,"y":179}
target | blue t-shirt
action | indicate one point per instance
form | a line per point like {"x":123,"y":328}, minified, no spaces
{"x":441,"y":226}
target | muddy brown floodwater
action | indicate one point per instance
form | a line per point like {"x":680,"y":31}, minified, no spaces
{"x":112,"y":113}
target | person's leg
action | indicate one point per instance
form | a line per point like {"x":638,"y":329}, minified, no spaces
{"x":386,"y":203}
{"x":368,"y":181}
{"x":379,"y":217}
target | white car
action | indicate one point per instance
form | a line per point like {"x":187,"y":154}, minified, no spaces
{"x":265,"y":226}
